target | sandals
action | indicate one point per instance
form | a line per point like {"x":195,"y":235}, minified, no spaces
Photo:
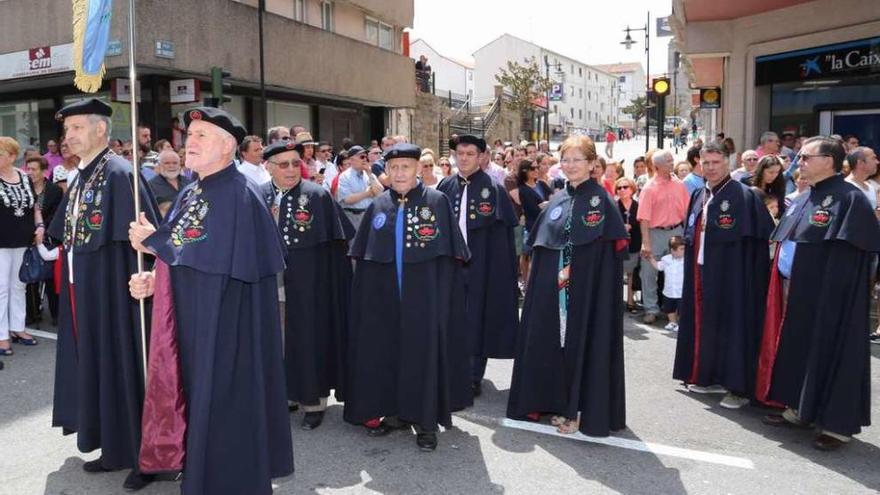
{"x":6,"y":352}
{"x":570,"y":427}
{"x":17,"y":339}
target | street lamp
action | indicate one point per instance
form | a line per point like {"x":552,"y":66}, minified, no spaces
{"x":558,"y":67}
{"x":629,"y":42}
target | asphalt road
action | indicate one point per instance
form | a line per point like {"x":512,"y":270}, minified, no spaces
{"x":676,"y":442}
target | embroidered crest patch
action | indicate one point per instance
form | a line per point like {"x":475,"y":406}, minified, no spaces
{"x":379,"y":221}
{"x":593,"y":217}
{"x":555,"y":213}
{"x":821,"y":217}
{"x":725,"y":221}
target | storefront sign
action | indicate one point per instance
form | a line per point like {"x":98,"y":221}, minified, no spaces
{"x":164,"y":49}
{"x":37,"y":61}
{"x":120,"y":90}
{"x":710,"y":97}
{"x":184,"y":91}
{"x":114,"y":48}
{"x":854,"y":58}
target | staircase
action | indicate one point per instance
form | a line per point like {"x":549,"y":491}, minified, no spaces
{"x":464,"y":120}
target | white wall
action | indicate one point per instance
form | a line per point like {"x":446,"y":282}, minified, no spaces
{"x":450,"y":75}
{"x":490,"y":59}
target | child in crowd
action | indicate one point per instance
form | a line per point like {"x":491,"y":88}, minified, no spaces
{"x":773,"y":207}
{"x":672,"y":265}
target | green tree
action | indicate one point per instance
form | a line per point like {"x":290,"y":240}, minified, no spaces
{"x":637,"y":109}
{"x":525,"y":82}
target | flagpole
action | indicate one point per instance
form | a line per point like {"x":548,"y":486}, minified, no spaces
{"x":132,"y":80}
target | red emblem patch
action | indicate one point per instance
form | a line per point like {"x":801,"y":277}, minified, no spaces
{"x":820,"y":218}
{"x":195,"y":115}
{"x":593,"y":218}
{"x":95,"y":220}
{"x":192,"y":233}
{"x":426,"y":232}
{"x":725,"y":221}
{"x":302,"y":216}
{"x":485,"y":209}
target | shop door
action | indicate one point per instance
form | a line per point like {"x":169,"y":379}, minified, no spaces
{"x":864,"y":124}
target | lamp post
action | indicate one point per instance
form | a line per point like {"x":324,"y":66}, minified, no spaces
{"x":558,"y":67}
{"x":629,"y":42}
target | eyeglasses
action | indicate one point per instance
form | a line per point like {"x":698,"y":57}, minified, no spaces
{"x":533,"y":168}
{"x":288,"y":163}
{"x":805,"y":157}
{"x":325,"y":150}
{"x":620,"y":188}
{"x":285,"y":138}
{"x":126,"y":152}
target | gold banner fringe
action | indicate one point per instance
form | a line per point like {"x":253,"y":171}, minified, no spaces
{"x":89,"y":83}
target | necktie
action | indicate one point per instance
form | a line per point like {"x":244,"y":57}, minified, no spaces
{"x":398,"y":245}
{"x":462,"y":210}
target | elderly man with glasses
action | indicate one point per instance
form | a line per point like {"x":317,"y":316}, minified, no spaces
{"x":814,"y":352}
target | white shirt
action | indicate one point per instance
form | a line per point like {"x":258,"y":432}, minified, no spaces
{"x":674,"y":278}
{"x":870,"y":192}
{"x":256,"y":173}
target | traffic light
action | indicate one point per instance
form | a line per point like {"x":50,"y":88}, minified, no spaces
{"x":660,"y":86}
{"x":218,"y":86}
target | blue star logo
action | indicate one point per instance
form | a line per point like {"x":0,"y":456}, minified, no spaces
{"x":810,"y":66}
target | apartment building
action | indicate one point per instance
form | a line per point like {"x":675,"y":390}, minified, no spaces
{"x":336,"y":67}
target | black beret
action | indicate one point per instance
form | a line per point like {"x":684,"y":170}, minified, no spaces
{"x":403,"y":150}
{"x":356,"y":150}
{"x":90,"y":106}
{"x":479,"y":142}
{"x":218,"y":117}
{"x":281,"y":147}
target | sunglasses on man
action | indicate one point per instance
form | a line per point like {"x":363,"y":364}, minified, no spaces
{"x":288,"y":163}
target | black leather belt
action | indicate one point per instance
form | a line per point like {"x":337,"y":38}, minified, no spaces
{"x":671,"y":227}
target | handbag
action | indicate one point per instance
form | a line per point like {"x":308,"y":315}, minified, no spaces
{"x":33,"y":268}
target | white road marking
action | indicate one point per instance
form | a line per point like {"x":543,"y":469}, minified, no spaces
{"x":42,"y":334}
{"x":625,"y":443}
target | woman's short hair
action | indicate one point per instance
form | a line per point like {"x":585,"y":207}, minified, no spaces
{"x":40,"y":160}
{"x":9,"y":145}
{"x":582,"y":143}
{"x":625,"y":181}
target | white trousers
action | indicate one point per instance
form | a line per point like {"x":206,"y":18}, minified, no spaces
{"x":12,"y":292}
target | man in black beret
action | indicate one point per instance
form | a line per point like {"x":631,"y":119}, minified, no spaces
{"x":315,"y":283}
{"x":485,"y":215}
{"x":216,"y":375}
{"x":98,"y":367}
{"x":408,"y":362}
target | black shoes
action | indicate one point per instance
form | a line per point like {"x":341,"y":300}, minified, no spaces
{"x":827,"y":443}
{"x":387,"y":426}
{"x":312,"y":420}
{"x":427,"y":442}
{"x":96,"y":466}
{"x":136,"y":481}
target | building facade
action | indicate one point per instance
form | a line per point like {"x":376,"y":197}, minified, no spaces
{"x":631,"y":84}
{"x":336,"y":67}
{"x":585,"y":99}
{"x":807,"y":67}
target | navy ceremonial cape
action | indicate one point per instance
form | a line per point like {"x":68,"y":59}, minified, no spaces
{"x":586,"y":374}
{"x":491,"y":274}
{"x":815,"y":358}
{"x":224,"y":253}
{"x":99,"y":383}
{"x":722,"y":303}
{"x":317,"y":282}
{"x":408,"y":350}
